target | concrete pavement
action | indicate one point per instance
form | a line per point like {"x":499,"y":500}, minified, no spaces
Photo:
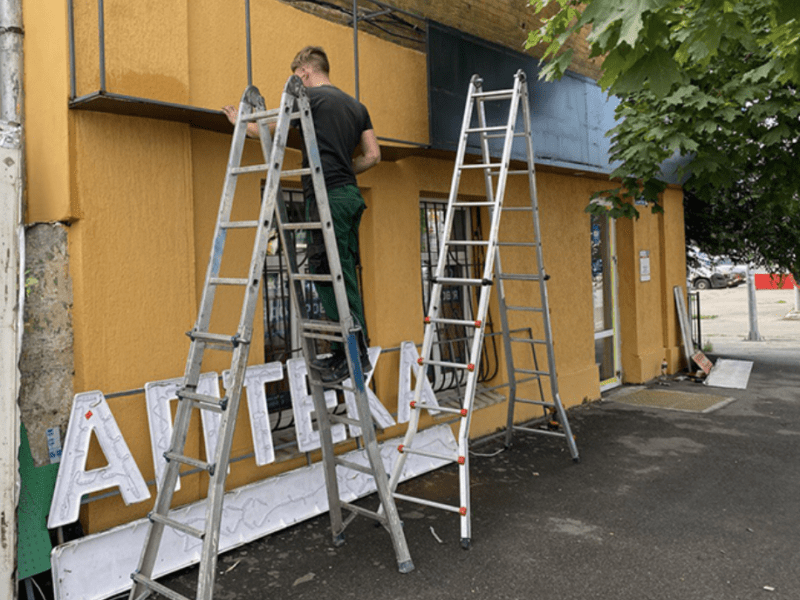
{"x":664,"y":505}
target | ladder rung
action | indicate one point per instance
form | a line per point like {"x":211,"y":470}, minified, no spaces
{"x":526,"y":308}
{"x":351,"y":465}
{"x":482,"y":166}
{"x":249,"y":169}
{"x":527,"y":340}
{"x":494,"y":95}
{"x":434,"y":408}
{"x":518,"y":208}
{"x":271,"y":116}
{"x":519,"y":172}
{"x":211,"y":403}
{"x":239,"y":225}
{"x":485,"y":129}
{"x":440,"y":363}
{"x":218,"y":339}
{"x":320,"y":325}
{"x":459,"y":281}
{"x":423,"y":501}
{"x":520,"y":277}
{"x":302,"y":226}
{"x":312,"y":277}
{"x":453,"y":322}
{"x":296,"y":172}
{"x":540,"y":431}
{"x":157,"y":587}
{"x":187,"y":529}
{"x":532,"y":372}
{"x":536,"y":402}
{"x":469,"y":204}
{"x":188,"y":460}
{"x":407,"y":450}
{"x":264,"y":114}
{"x":364,"y":512}
{"x":228,"y":281}
{"x":518,"y":244}
{"x":467,"y":243}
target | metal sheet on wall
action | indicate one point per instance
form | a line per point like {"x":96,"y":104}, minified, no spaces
{"x":570,"y":116}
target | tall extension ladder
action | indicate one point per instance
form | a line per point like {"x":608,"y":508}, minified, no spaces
{"x":517,"y":375}
{"x":294,"y":105}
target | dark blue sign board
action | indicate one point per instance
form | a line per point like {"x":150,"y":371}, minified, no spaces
{"x":570,"y":117}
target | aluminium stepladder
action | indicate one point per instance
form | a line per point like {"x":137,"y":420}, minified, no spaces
{"x":475,"y":124}
{"x":294,"y":106}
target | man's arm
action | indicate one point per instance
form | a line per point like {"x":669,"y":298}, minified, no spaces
{"x":370,"y":152}
{"x":252,"y":128}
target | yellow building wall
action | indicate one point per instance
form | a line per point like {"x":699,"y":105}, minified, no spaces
{"x":142,"y":197}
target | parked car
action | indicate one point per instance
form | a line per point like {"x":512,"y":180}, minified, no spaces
{"x":712,"y":272}
{"x":704,"y":278}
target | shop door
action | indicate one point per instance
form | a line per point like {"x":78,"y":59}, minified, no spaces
{"x":605,"y":302}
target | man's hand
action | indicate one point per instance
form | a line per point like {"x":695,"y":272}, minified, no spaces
{"x":371,"y":152}
{"x":232,"y":113}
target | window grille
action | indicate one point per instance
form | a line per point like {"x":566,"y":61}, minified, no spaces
{"x":452,"y":342}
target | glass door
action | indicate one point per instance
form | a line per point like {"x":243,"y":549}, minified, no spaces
{"x":605,"y":302}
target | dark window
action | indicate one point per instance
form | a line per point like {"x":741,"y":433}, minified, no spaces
{"x":452,"y":342}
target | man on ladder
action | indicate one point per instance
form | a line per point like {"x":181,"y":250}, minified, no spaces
{"x":342,"y":124}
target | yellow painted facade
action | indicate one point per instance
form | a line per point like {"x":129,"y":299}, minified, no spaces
{"x":141,"y":196}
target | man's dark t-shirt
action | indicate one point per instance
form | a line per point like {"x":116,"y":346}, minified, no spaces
{"x":339,"y":121}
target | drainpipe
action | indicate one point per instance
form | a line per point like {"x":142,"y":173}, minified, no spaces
{"x":11,"y":285}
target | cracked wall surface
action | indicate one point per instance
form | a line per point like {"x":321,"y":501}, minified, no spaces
{"x":46,"y":363}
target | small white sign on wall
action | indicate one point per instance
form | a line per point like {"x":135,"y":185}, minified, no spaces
{"x":644,"y":265}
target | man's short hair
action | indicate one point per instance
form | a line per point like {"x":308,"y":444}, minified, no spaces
{"x":314,"y":57}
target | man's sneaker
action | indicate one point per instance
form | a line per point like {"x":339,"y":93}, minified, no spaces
{"x":327,"y":363}
{"x":340,"y":371}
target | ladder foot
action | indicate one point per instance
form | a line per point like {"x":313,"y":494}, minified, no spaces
{"x":405,"y":566}
{"x":576,"y":459}
{"x":466,"y":543}
{"x":338,"y":540}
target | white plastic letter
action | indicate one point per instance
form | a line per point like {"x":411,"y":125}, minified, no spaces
{"x":405,"y":393}
{"x":158,"y":395}
{"x":303,"y":406}
{"x":90,"y":413}
{"x":254,"y":379}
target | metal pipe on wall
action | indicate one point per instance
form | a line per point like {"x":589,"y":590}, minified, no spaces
{"x":12,"y":244}
{"x":11,"y":36}
{"x":355,"y":46}
{"x":101,"y":31}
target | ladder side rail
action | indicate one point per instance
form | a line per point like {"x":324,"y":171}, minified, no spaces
{"x":223,"y":215}
{"x":317,"y":391}
{"x":169,"y":479}
{"x":216,"y":484}
{"x":266,"y":216}
{"x":503,"y":175}
{"x":436,"y":289}
{"x":501,"y":292}
{"x":551,"y":359}
{"x":323,"y":206}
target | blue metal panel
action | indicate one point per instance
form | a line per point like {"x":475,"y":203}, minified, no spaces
{"x":570,"y":116}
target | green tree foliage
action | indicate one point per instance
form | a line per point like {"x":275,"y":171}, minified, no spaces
{"x":713,"y":83}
